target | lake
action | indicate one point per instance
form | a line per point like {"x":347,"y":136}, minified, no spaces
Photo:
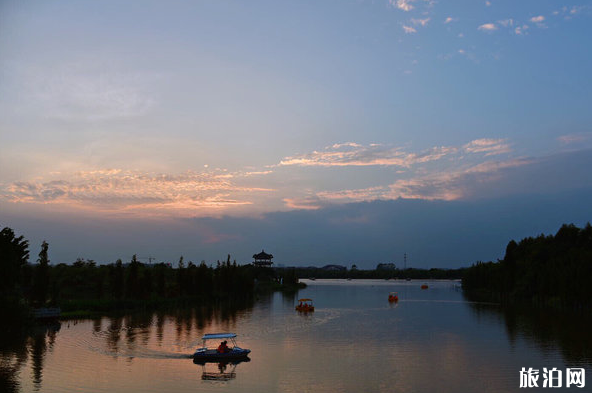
{"x":355,"y":341}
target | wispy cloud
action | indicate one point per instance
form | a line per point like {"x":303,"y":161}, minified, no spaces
{"x":575,"y":138}
{"x":350,"y":154}
{"x":115,"y":189}
{"x":343,"y":155}
{"x":520,"y":30}
{"x":420,"y":22}
{"x":404,"y":5}
{"x":487,"y":27}
{"x":487,"y":146}
{"x":408,"y":5}
{"x":303,"y":203}
{"x":537,"y":19}
{"x":438,"y":185}
{"x":409,"y":29}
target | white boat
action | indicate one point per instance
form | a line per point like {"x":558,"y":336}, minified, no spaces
{"x":215,"y":353}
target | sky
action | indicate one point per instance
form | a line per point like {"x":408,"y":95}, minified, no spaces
{"x":325,"y":132}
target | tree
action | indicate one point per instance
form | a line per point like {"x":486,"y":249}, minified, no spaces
{"x":132,"y":285}
{"x":116,"y":279}
{"x":14,"y":255}
{"x":41,"y":281}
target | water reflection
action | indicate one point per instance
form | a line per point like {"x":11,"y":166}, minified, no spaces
{"x":354,"y":341}
{"x":546,"y":328}
{"x":16,"y":350}
{"x":219,"y":371}
{"x":23,"y":356}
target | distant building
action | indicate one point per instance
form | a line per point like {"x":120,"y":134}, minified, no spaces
{"x":386,"y":266}
{"x":262,"y":259}
{"x":335,"y":268}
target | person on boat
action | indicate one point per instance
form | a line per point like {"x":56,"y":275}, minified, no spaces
{"x":223,"y":348}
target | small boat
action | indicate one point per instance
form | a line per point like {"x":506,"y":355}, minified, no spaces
{"x":424,"y":286}
{"x":305,"y":305}
{"x":393,"y":297}
{"x":216,"y":354}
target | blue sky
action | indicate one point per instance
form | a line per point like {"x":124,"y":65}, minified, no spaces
{"x":205,"y":119}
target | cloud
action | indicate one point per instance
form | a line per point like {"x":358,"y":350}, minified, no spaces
{"x":409,"y":29}
{"x":488,"y":146}
{"x":520,"y":30}
{"x":404,"y":5}
{"x":420,"y":22}
{"x":407,"y":5}
{"x":488,"y":27}
{"x":350,"y":155}
{"x":575,"y":138}
{"x":343,"y":155}
{"x":119,"y":190}
{"x":356,"y":195}
{"x":303,"y":203}
{"x":440,"y":185}
{"x":537,"y":19}
{"x":450,"y":20}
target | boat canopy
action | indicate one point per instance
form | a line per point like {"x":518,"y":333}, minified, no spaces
{"x":218,"y":335}
{"x":305,"y":300}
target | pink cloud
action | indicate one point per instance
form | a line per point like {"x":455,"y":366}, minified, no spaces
{"x":488,"y":27}
{"x":488,"y":146}
{"x":409,"y":29}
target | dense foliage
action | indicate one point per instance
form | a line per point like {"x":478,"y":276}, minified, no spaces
{"x":86,"y":285}
{"x":553,"y":270}
{"x":432,"y":274}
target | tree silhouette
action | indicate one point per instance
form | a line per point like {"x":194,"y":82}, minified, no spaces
{"x":41,"y":280}
{"x":14,"y":255}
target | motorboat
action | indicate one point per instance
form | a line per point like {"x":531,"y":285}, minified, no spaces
{"x":424,"y":286}
{"x":223,"y":352}
{"x":305,"y":305}
{"x":393,"y":297}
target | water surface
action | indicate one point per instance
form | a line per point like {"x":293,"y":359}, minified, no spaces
{"x":355,"y":341}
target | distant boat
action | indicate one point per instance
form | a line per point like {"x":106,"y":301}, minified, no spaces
{"x":211,"y":354}
{"x":424,"y":286}
{"x":393,"y":297}
{"x":305,"y":305}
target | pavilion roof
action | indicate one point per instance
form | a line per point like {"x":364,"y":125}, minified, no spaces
{"x":262,"y":255}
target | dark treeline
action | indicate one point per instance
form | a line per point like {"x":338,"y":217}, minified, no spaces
{"x":424,"y":274}
{"x":548,"y":270}
{"x":84,"y":285}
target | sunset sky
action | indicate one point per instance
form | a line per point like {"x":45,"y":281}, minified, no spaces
{"x":322,"y":131}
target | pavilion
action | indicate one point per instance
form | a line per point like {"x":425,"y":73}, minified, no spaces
{"x":262,"y":259}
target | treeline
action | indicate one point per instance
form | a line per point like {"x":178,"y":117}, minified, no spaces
{"x":434,"y":274}
{"x":548,"y":270}
{"x":86,"y":285}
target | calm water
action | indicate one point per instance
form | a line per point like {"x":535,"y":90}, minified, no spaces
{"x":355,"y":341}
